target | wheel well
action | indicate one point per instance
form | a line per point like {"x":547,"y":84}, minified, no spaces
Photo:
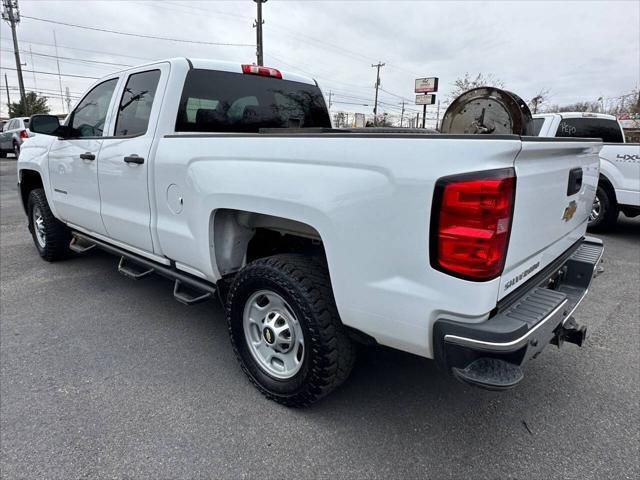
{"x":29,"y":180}
{"x":606,"y":184}
{"x":240,"y":237}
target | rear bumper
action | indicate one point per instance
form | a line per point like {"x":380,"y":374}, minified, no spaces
{"x":490,"y":353}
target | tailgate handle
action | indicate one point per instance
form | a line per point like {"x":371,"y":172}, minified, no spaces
{"x":575,"y":181}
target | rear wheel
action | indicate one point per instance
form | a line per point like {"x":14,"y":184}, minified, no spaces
{"x":3,"y":154}
{"x":16,"y":149}
{"x":604,"y":211}
{"x":50,"y":236}
{"x":285,"y":329}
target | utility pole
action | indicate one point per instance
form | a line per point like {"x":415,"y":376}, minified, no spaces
{"x":375,"y":106}
{"x":11,"y":13}
{"x":438,"y":117}
{"x":33,"y":68}
{"x":402,"y":114}
{"x":257,"y":24}
{"x":330,"y":99}
{"x":68,"y":99}
{"x":6,"y":84}
{"x":55,"y":42}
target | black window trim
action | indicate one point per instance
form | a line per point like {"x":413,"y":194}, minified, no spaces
{"x":70,"y":116}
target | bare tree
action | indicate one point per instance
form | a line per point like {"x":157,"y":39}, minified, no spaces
{"x":537,"y":102}
{"x":468,"y":82}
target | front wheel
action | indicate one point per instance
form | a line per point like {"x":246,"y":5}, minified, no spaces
{"x":604,"y":211}
{"x":50,"y":236}
{"x":285,"y":329}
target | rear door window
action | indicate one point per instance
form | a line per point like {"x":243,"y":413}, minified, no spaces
{"x":136,"y":102}
{"x":214,"y":101}
{"x":587,"y":127}
{"x":537,"y":125}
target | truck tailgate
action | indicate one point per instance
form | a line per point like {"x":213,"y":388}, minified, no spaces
{"x":555,"y":186}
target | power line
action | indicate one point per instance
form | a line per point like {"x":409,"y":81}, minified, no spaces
{"x":116,"y":32}
{"x":46,"y":94}
{"x":79,"y":49}
{"x":52,"y":73}
{"x":37,"y":54}
{"x":48,"y":91}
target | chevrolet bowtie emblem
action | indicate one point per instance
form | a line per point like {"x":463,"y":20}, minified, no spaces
{"x":569,"y":211}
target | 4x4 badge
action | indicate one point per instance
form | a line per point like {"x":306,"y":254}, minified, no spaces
{"x":569,"y":211}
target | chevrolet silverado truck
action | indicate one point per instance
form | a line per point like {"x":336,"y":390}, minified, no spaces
{"x":619,"y":183}
{"x":229,"y":180}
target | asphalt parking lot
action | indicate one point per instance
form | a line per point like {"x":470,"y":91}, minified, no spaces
{"x":104,"y":377}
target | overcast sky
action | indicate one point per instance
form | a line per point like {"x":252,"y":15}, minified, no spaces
{"x":579,"y":50}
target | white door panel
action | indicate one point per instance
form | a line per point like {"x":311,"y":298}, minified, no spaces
{"x":124,"y":158}
{"x":73,"y":160}
{"x":74,"y":182}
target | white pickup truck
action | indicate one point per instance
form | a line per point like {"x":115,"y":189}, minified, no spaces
{"x":228,"y":179}
{"x":619,"y":185}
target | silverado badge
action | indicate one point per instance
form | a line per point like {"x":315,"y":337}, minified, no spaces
{"x":569,"y":211}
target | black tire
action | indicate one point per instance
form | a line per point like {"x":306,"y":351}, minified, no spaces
{"x":303,"y":282}
{"x":56,"y":235}
{"x":16,"y":149}
{"x":3,"y":154}
{"x":608,"y":210}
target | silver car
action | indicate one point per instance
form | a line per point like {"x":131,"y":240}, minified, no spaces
{"x":14,"y":132}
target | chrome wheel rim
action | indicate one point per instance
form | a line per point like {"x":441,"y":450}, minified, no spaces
{"x":595,"y":209}
{"x":38,"y":227}
{"x":273,"y":334}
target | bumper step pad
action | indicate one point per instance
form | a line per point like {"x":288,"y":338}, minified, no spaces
{"x":490,"y":373}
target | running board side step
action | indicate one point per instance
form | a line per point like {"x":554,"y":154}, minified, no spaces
{"x":80,"y":245}
{"x":187,"y":289}
{"x":188,"y":295}
{"x":131,"y":269}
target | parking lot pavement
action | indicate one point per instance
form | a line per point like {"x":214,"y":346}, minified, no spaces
{"x":105,"y":377}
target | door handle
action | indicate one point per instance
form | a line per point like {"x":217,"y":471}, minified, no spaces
{"x":87,"y":156}
{"x":575,"y":181}
{"x":134,"y":159}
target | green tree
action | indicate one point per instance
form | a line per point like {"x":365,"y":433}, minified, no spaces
{"x":32,"y":104}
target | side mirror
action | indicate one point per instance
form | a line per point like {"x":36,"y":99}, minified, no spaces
{"x":44,"y":124}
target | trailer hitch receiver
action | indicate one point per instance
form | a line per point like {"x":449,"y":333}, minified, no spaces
{"x":570,"y":331}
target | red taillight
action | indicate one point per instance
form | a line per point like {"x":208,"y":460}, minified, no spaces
{"x":23,"y":134}
{"x":471,"y":219}
{"x":264,"y":71}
